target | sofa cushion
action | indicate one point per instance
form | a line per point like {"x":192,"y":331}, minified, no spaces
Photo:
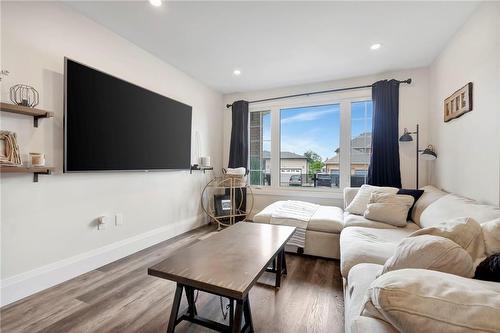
{"x":491,"y":235}
{"x":362,"y":198}
{"x":359,"y":280}
{"x":366,"y":324}
{"x":419,"y":300}
{"x":327,"y":219}
{"x":349,"y":194}
{"x":353,"y":220}
{"x":369,"y":245}
{"x":452,"y":206}
{"x":431,"y":252}
{"x":389,"y":208}
{"x":430,"y":195}
{"x":464,"y":231}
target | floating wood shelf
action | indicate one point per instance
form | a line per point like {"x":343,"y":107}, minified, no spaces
{"x":27,"y":111}
{"x":200,"y":168}
{"x":34,"y":170}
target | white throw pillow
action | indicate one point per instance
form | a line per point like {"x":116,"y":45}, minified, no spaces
{"x":464,"y":231}
{"x":491,"y":235}
{"x":418,"y":300}
{"x":362,"y":198}
{"x":431,"y":252}
{"x":389,"y":208}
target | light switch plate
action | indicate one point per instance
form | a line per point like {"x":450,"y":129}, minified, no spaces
{"x":118,"y":219}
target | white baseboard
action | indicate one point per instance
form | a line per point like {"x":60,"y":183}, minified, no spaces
{"x":25,"y":284}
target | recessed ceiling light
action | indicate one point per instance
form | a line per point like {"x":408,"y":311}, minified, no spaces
{"x":237,"y":72}
{"x":156,"y":3}
{"x":375,"y":46}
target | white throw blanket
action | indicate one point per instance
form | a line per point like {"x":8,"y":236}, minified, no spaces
{"x":295,"y":214}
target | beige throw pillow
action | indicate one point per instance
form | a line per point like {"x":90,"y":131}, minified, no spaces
{"x":491,"y":235}
{"x":418,"y":300}
{"x":389,"y":208}
{"x":430,"y":252}
{"x":464,"y":231}
{"x":362,"y":198}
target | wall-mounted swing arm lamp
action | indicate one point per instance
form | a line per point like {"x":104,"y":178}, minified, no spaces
{"x":427,"y":153}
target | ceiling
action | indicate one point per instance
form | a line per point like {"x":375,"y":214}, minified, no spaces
{"x":277,"y":44}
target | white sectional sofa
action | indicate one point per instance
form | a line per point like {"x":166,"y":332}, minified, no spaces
{"x":363,"y":246}
{"x":364,"y":250}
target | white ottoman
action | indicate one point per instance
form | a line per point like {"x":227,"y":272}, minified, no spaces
{"x":322,"y":233}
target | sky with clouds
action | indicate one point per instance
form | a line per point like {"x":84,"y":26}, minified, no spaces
{"x":317,"y":128}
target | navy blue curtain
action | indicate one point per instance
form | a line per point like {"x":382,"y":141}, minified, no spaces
{"x":384,"y":162}
{"x":238,"y":151}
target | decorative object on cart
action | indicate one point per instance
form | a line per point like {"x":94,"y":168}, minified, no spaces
{"x":427,"y":153}
{"x":222,"y":193}
{"x":222,"y":204}
{"x":237,"y":175}
{"x":24,"y":95}
{"x":3,"y":72}
{"x":459,"y":103}
{"x":9,"y":149}
{"x":37,"y":159}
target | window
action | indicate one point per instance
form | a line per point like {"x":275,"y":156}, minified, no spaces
{"x":317,"y":143}
{"x":361,"y":141}
{"x":309,"y":137}
{"x":260,"y":148}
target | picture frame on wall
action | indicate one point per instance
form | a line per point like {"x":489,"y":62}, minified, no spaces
{"x":459,"y":103}
{"x":223,"y":205}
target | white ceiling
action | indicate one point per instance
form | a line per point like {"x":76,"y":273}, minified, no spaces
{"x":278,"y":44}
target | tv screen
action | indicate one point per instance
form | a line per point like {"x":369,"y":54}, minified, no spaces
{"x":111,"y":124}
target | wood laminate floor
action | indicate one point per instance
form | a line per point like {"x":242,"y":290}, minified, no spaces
{"x":121,"y":297}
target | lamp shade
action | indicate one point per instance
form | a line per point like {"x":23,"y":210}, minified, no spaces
{"x":429,"y":154}
{"x":406,"y":136}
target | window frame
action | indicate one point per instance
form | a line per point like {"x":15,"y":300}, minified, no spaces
{"x":344,"y":99}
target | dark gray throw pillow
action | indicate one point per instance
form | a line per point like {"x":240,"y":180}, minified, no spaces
{"x":416,"y":194}
{"x":489,"y":269}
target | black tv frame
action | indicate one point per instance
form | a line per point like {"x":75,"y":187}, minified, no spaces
{"x":65,"y":170}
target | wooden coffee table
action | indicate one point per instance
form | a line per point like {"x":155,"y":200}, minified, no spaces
{"x":226,"y":264}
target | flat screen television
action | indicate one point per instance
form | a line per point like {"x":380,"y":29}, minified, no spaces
{"x":111,"y":124}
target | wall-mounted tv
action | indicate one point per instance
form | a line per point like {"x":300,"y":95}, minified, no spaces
{"x":111,"y":124}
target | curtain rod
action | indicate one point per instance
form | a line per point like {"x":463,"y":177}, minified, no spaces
{"x":315,"y":93}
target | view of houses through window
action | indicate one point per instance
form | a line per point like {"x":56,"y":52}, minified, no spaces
{"x":361,"y":141}
{"x":310,"y":145}
{"x":260,"y":148}
{"x":308,"y":136}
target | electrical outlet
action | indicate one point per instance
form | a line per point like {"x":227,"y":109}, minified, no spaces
{"x":103,"y":222}
{"x":118,"y":219}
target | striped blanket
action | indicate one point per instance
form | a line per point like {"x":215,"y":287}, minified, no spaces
{"x":295,"y":214}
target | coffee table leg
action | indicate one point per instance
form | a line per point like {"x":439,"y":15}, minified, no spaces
{"x":285,"y":271}
{"x":231,"y":313}
{"x":175,"y":308}
{"x":247,"y":312}
{"x":190,"y":300}
{"x":279,"y":269}
{"x":238,"y":313}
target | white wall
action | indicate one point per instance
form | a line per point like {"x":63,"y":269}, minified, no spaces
{"x":413,"y":107}
{"x":469,"y":147}
{"x":53,"y":220}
